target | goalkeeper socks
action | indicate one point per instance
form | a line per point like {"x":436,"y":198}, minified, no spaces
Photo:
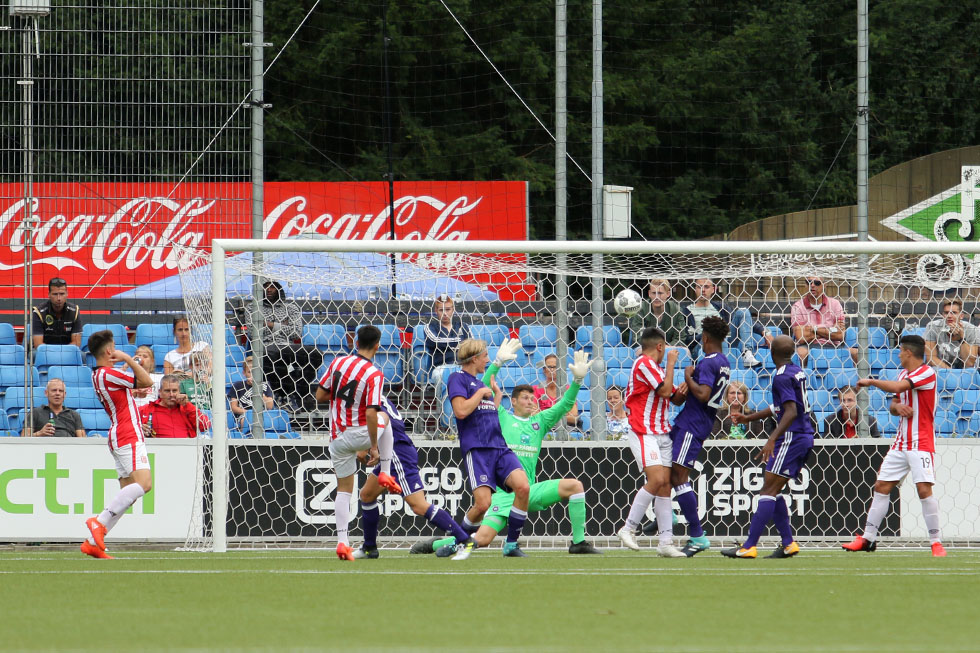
{"x":370,"y":516}
{"x":120,"y":504}
{"x":469,"y":526}
{"x":342,"y":508}
{"x":876,"y":513}
{"x":641,"y":502}
{"x":663,"y":509}
{"x":780,"y":515}
{"x":930,"y":513}
{"x":576,"y":515}
{"x":515,"y":524}
{"x":441,"y":520}
{"x":761,"y":519}
{"x":688,"y":501}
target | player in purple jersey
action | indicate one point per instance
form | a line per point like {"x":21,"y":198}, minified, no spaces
{"x":786,"y":451}
{"x":489,"y":462}
{"x":706,"y":383}
{"x":405,"y":467}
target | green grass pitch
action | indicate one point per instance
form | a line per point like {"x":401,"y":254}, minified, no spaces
{"x":822,"y":600}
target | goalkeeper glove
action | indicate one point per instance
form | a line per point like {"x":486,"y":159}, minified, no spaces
{"x":580,"y":366}
{"x":507,"y":351}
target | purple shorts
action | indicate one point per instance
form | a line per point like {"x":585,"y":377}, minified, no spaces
{"x":685,"y":447}
{"x":490,"y":467}
{"x":404,"y":467}
{"x":791,"y":454}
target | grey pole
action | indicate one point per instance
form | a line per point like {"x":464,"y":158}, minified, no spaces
{"x":258,"y":210}
{"x":862,"y":206}
{"x":30,"y":220}
{"x":561,"y":175}
{"x":598,"y":394}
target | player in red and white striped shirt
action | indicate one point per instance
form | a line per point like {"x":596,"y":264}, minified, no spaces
{"x":114,"y":389}
{"x":914,"y":449}
{"x":648,"y":397}
{"x":353,"y":387}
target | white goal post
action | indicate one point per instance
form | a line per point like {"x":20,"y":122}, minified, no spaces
{"x":614,"y":264}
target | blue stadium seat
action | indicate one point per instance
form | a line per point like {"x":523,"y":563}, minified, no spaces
{"x":326,"y":337}
{"x":621,"y":356}
{"x":538,"y":354}
{"x":748,"y":377}
{"x":78,"y":398}
{"x":13,"y":399}
{"x":834,"y":378}
{"x":494,"y":334}
{"x":611,"y":337}
{"x":945,"y":423}
{"x":203,"y":332}
{"x":234,"y":356}
{"x":95,"y":419}
{"x":520,"y":361}
{"x":823,"y":400}
{"x":966,"y":402}
{"x":155,"y":334}
{"x":618,"y":376}
{"x":7,"y":334}
{"x":683,"y":358}
{"x":509,"y":377}
{"x":15,"y":420}
{"x":913,"y":331}
{"x":887,"y":423}
{"x":391,"y":365}
{"x":48,"y":355}
{"x":821,"y":359}
{"x":952,"y":380}
{"x":391,"y":338}
{"x":538,"y":335}
{"x":160,"y":352}
{"x":973,"y":428}
{"x":72,"y":375}
{"x":274,"y":421}
{"x":14,"y":375}
{"x":877,"y":337}
{"x":884,"y":358}
{"x":878,"y":400}
{"x":11,"y":354}
{"x":119,"y":335}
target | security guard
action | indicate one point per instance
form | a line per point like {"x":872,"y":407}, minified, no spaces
{"x":56,"y":322}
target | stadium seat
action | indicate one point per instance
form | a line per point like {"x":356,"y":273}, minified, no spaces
{"x":275,"y":422}
{"x":887,"y":423}
{"x":538,"y":354}
{"x":14,"y":375}
{"x":537,"y":335}
{"x":203,"y":332}
{"x":48,"y":355}
{"x":884,"y":358}
{"x":72,"y":375}
{"x":155,"y":334}
{"x":494,"y":334}
{"x":15,"y":421}
{"x":945,"y":423}
{"x":823,"y":400}
{"x":7,"y":334}
{"x":914,"y":331}
{"x":877,"y":337}
{"x":618,"y":376}
{"x":391,"y":365}
{"x":326,"y":337}
{"x":234,"y":356}
{"x":834,"y":378}
{"x":391,"y":338}
{"x":520,"y":361}
{"x":748,"y":377}
{"x":611,"y":337}
{"x":821,"y":359}
{"x":78,"y":398}
{"x":878,"y":401}
{"x":952,"y":380}
{"x":95,"y":419}
{"x":966,"y":402}
{"x":621,"y":356}
{"x":119,"y":335}
{"x":13,"y":399}
{"x":510,"y":377}
{"x":11,"y":354}
{"x":160,"y":353}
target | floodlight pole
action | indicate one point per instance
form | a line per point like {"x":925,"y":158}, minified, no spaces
{"x":561,"y":172}
{"x":258,"y":106}
{"x":598,"y":393}
{"x":862,"y":208}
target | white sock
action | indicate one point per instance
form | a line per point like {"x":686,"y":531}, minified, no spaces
{"x":119,"y":505}
{"x":641,"y":502}
{"x":386,"y":445}
{"x":342,"y":511}
{"x":876,"y":513}
{"x":663,"y":508}
{"x":930,"y":512}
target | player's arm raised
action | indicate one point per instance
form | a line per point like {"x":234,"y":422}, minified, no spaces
{"x":892,"y":387}
{"x":666,"y":389}
{"x":700,"y":391}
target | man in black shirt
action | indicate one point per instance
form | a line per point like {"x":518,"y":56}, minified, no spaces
{"x":56,"y":322}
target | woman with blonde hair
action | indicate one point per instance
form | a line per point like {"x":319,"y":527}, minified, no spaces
{"x":736,"y":400}
{"x":145,"y":357}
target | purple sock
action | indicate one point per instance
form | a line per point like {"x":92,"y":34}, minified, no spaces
{"x":688,"y":501}
{"x":780,"y":515}
{"x":515,"y":524}
{"x":441,"y":519}
{"x":761,"y":519}
{"x":370,"y":515}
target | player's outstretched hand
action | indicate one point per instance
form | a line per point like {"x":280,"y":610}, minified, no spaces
{"x":864,"y":383}
{"x":507,"y":351}
{"x":580,"y":366}
{"x":672,"y":354}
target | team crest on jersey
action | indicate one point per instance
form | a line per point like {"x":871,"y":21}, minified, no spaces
{"x":49,"y":319}
{"x":496,"y":508}
{"x":483,"y":478}
{"x":536,"y":426}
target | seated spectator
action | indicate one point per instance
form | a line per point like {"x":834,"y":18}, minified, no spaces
{"x":741,"y":324}
{"x":240,"y":393}
{"x":178,"y":360}
{"x":198,"y":386}
{"x":617,"y":421}
{"x":737,"y":401}
{"x":147,"y":360}
{"x":951,"y":342}
{"x":443,"y":334}
{"x":843,"y":423}
{"x":172,"y":415}
{"x":289,"y":367}
{"x":661,"y":312}
{"x":818,"y":320}
{"x":53,"y":419}
{"x":56,"y":322}
{"x":547,"y":395}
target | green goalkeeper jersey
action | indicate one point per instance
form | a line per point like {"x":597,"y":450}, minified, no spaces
{"x":524,"y":435}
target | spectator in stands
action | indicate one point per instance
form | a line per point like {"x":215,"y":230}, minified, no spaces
{"x":198,"y":386}
{"x":53,"y":419}
{"x":289,"y":366}
{"x":172,"y":415}
{"x":443,"y":334}
{"x":617,"y":421}
{"x":283,"y":318}
{"x":737,"y":401}
{"x":240,"y":393}
{"x":548,"y":395}
{"x":818,"y":320}
{"x":178,"y":360}
{"x":951,"y":342}
{"x":843,"y":423}
{"x":741,"y":324}
{"x":56,"y":322}
{"x":661,"y":312}
{"x":147,"y":360}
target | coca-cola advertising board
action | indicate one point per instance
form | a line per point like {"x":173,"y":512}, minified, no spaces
{"x":107,"y":238}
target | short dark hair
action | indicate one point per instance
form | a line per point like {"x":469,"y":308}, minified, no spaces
{"x":651,"y":336}
{"x":368,"y":336}
{"x":56,"y":282}
{"x":914,"y":344}
{"x":97,"y":341}
{"x":715,"y":327}
{"x":518,"y":389}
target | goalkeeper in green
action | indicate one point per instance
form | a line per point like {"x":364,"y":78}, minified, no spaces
{"x":524,"y":430}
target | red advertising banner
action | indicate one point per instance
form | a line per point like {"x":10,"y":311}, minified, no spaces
{"x":107,"y":238}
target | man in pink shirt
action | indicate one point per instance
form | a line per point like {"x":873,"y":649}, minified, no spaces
{"x":818,"y":320}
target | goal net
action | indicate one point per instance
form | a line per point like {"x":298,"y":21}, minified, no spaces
{"x":266,"y":476}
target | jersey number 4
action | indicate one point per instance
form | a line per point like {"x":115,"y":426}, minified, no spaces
{"x":345,"y":393}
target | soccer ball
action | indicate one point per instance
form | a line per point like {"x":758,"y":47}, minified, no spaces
{"x":628,"y":302}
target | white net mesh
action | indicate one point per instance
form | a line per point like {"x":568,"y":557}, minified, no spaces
{"x":280,"y":479}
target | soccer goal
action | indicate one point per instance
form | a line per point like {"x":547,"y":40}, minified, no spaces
{"x":266,"y":477}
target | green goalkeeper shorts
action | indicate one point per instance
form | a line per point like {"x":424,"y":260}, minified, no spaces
{"x":543,"y":495}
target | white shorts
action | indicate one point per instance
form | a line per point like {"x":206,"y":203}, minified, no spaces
{"x":650,"y":450}
{"x":343,"y":450}
{"x":129,"y":458}
{"x":897,"y":464}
